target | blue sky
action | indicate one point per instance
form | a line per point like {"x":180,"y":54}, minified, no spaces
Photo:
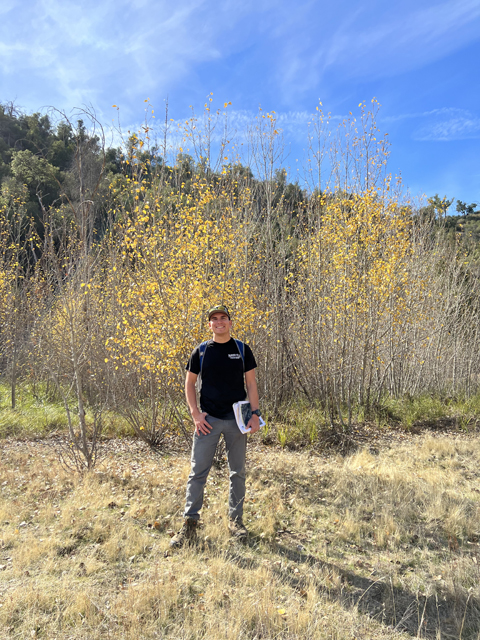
{"x":419,"y":58}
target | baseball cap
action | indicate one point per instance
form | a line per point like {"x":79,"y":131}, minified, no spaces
{"x":219,"y":308}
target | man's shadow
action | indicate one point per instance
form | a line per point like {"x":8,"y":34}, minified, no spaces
{"x":451,"y":613}
{"x":419,"y":615}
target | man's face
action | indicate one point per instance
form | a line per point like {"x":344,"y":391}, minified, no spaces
{"x":220,"y":323}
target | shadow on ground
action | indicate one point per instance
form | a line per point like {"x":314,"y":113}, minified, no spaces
{"x":447,"y":615}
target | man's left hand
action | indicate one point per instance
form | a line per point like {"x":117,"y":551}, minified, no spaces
{"x":254,"y":424}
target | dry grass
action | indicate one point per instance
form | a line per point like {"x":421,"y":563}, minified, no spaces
{"x":367,"y":546}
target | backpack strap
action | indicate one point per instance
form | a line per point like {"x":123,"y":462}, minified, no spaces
{"x":202,"y":348}
{"x":241,"y":351}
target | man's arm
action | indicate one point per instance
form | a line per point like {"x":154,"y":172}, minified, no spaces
{"x":201,"y":425}
{"x":252,"y":392}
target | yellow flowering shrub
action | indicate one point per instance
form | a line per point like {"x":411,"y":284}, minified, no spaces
{"x":181,"y":254}
{"x":354,"y":286}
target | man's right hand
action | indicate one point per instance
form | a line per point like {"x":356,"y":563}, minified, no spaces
{"x":201,"y":425}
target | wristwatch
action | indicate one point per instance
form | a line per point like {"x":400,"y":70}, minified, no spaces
{"x":257,"y":413}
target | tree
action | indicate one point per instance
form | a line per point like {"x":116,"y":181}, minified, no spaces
{"x":440,"y":205}
{"x":70,"y":337}
{"x":353,"y":278}
{"x":465,"y":209}
{"x":17,"y":267}
{"x":179,"y":256}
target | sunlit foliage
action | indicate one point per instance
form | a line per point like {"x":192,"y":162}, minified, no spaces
{"x":346,"y":289}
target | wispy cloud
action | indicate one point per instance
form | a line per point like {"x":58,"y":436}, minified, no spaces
{"x":442,"y":125}
{"x":7,"y":6}
{"x":117,"y":47}
{"x":368,"y":41}
{"x":445,"y":125}
{"x":128,"y":49}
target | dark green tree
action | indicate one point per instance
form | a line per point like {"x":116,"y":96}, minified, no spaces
{"x":465,"y":209}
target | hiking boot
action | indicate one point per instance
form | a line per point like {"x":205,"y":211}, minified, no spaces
{"x":186,"y":535}
{"x":238,"y":529}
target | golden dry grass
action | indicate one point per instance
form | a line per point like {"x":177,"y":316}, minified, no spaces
{"x":367,"y":546}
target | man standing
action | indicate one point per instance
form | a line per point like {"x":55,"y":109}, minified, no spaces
{"x":225,"y":367}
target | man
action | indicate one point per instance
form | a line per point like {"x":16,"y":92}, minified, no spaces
{"x":224,"y":372}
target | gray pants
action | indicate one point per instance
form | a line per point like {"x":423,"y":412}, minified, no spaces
{"x":203,"y":451}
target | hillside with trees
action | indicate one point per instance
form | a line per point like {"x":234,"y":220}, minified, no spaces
{"x":362,"y":309}
{"x":350,"y":293}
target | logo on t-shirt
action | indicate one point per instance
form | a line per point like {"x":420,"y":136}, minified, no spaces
{"x":234,"y":356}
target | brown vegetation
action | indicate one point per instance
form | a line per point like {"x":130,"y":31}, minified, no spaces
{"x":374,"y":545}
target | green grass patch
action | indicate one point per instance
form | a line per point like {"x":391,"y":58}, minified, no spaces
{"x":38,"y":414}
{"x":410,"y":410}
{"x":461,"y":411}
{"x":33,"y":416}
{"x":296,"y":424}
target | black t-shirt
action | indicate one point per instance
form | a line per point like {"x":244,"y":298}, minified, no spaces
{"x":222,"y":376}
